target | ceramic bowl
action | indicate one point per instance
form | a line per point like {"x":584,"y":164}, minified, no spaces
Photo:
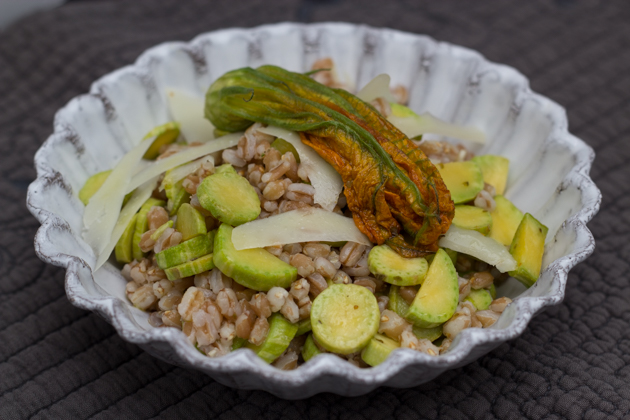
{"x":549,"y":177}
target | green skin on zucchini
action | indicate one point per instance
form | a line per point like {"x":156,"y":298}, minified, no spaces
{"x":255,"y":268}
{"x":344,"y":318}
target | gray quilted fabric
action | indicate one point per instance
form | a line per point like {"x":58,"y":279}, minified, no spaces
{"x":573,"y":361}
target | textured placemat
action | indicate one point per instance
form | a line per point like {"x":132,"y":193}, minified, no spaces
{"x":573,"y":361}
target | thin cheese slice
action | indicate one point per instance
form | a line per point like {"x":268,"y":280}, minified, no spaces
{"x":304,"y":225}
{"x":427,"y":123}
{"x":377,"y":88}
{"x":183,"y":171}
{"x":185,"y":156}
{"x":136,"y":201}
{"x":188,"y":111}
{"x":102,"y":211}
{"x":323,"y":177}
{"x":473,"y":243}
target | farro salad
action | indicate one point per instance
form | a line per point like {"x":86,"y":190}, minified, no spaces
{"x":286,"y":215}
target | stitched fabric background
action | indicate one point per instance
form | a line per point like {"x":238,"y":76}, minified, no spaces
{"x":573,"y":361}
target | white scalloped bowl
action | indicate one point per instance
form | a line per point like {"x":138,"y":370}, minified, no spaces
{"x":548,"y":178}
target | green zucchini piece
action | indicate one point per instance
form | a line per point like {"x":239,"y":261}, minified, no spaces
{"x":481,"y":298}
{"x":255,"y":268}
{"x":304,"y":326}
{"x":463,"y":179}
{"x":450,"y":252}
{"x":495,"y":170}
{"x":220,"y":133}
{"x":190,"y":222}
{"x":430,"y":334}
{"x":92,"y":185}
{"x":284,"y":146}
{"x":528,"y":247}
{"x":185,"y":251}
{"x":438,"y":297}
{"x":493,"y":291}
{"x":344,"y":318}
{"x":190,"y":268}
{"x":142,"y":225}
{"x":238,"y":343}
{"x":396,"y":302}
{"x":164,"y":134}
{"x":159,"y":231}
{"x":310,"y":349}
{"x":505,"y":220}
{"x":281,"y":332}
{"x":378,"y":349}
{"x":229,"y":197}
{"x":473,"y":218}
{"x":226,"y":168}
{"x":177,"y":196}
{"x":392,"y":268}
{"x":123,"y":250}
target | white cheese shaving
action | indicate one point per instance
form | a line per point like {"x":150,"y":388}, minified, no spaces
{"x":473,"y":243}
{"x":377,"y":88}
{"x":304,"y":225}
{"x":183,"y":171}
{"x":136,"y":201}
{"x":185,"y":156}
{"x":188,"y":111}
{"x":101,"y":213}
{"x":323,"y":177}
{"x":427,"y":123}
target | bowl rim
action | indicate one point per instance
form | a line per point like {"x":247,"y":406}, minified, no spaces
{"x":244,"y":361}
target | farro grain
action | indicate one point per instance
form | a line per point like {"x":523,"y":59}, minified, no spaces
{"x":315,"y":249}
{"x":287,"y":361}
{"x":290,"y":310}
{"x":485,"y":201}
{"x":146,"y":243}
{"x":499,"y":305}
{"x":408,"y":340}
{"x":426,"y":346}
{"x":143,"y":298}
{"x":156,"y":217}
{"x":392,"y":324}
{"x":170,"y":300}
{"x":155,"y":319}
{"x":487,"y":317}
{"x":367,"y":282}
{"x":456,"y":324}
{"x":230,"y":156}
{"x":333,"y":257}
{"x":341,"y":278}
{"x":161,"y":288}
{"x":408,"y":293}
{"x":228,"y":304}
{"x":305,"y":266}
{"x":300,"y":192}
{"x":324,"y":267}
{"x":276,"y":297}
{"x":191,"y":302}
{"x":274,"y":250}
{"x":260,"y":305}
{"x":400,"y":94}
{"x":172,"y":319}
{"x":317,"y":283}
{"x":300,"y":289}
{"x":259,"y":331}
{"x":481,"y":280}
{"x":383,"y":301}
{"x":351,"y":253}
{"x":274,"y":190}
